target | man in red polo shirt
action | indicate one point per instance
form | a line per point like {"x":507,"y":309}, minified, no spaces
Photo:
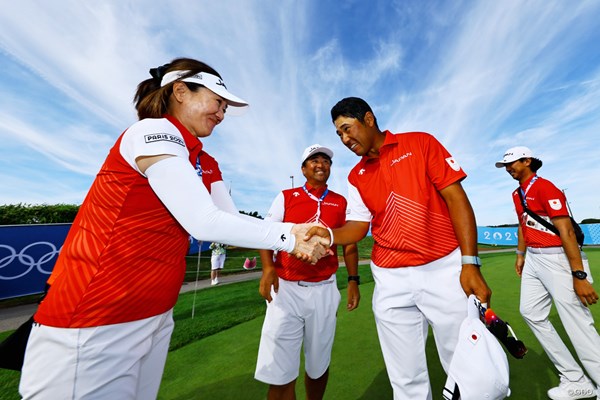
{"x":406,"y":187}
{"x":555,"y":269}
{"x":302,"y":299}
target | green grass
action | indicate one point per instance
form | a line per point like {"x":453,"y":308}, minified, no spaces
{"x":216,"y":309}
{"x":222,"y":307}
{"x":222,"y":366}
{"x":213,"y":354}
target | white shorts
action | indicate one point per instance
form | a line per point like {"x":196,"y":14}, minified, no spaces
{"x":217,"y":261}
{"x":297,"y":313}
{"x":121,"y":361}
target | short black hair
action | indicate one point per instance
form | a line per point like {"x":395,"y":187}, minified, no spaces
{"x":535,"y":164}
{"x":353,"y":107}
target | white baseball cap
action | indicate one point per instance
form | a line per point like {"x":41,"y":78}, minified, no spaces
{"x":514,"y":154}
{"x":314,"y":149}
{"x":210,"y":81}
{"x":479,"y":366}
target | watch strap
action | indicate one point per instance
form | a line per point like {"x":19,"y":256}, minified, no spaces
{"x":579,"y":274}
{"x":355,"y":278}
{"x":474,"y":260}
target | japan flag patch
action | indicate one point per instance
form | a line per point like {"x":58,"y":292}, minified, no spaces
{"x":453,"y":163}
{"x":555,"y":204}
{"x":474,"y":337}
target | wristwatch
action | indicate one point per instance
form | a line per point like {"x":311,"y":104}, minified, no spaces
{"x":579,"y":274}
{"x":471,"y":260}
{"x":355,"y":278}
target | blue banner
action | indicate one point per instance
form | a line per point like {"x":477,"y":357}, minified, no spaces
{"x":508,"y":236}
{"x":497,"y":236}
{"x":27,"y":256}
{"x":28,"y":252}
{"x":195,"y":246}
{"x":592,"y":233}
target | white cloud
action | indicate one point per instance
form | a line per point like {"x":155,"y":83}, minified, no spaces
{"x":478,"y":75}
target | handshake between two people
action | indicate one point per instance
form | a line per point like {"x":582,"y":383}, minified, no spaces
{"x":313,"y":242}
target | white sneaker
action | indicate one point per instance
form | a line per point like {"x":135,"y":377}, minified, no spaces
{"x":214,"y":282}
{"x":568,"y":390}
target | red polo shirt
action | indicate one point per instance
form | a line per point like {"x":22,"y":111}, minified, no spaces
{"x":410,"y":221}
{"x":124,"y":257}
{"x":295,"y":205}
{"x":546,"y":200}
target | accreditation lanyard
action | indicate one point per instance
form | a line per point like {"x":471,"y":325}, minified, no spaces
{"x":524,"y":192}
{"x":319,"y":200}
{"x":198,"y":166}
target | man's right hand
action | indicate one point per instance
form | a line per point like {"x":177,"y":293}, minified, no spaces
{"x":585,"y":292}
{"x":519,"y":264}
{"x":310,"y":248}
{"x":268,"y":279}
{"x":320,"y":232}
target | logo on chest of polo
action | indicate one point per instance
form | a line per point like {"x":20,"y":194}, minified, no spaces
{"x":325,"y":203}
{"x":402,"y":157}
{"x":163,"y":137}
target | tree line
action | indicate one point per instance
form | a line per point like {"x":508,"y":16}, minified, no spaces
{"x":24,"y":214}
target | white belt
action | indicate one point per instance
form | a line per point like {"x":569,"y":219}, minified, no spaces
{"x":319,"y":283}
{"x":545,"y":250}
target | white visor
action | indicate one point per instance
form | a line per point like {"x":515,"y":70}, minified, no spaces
{"x":210,"y":81}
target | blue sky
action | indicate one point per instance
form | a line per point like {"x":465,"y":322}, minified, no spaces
{"x":481,"y":76}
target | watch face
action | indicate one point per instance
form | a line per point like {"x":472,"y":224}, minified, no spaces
{"x":579,"y":274}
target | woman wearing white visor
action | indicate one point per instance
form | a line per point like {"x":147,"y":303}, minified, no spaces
{"x":103,"y":329}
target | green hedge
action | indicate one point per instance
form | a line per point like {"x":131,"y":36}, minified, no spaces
{"x":18,"y":214}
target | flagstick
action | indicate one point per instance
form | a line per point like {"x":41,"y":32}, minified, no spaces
{"x":197,"y":273}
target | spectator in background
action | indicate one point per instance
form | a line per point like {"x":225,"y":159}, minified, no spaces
{"x":103,"y":329}
{"x":553,"y":267}
{"x":302,"y":299}
{"x":217,"y":261}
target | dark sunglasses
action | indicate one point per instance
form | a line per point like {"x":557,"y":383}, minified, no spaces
{"x":500,"y":330}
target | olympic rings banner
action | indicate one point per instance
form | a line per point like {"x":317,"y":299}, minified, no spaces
{"x":27,"y":256}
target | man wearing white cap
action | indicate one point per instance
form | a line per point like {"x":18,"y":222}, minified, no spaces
{"x":554,"y":269}
{"x":302,"y":299}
